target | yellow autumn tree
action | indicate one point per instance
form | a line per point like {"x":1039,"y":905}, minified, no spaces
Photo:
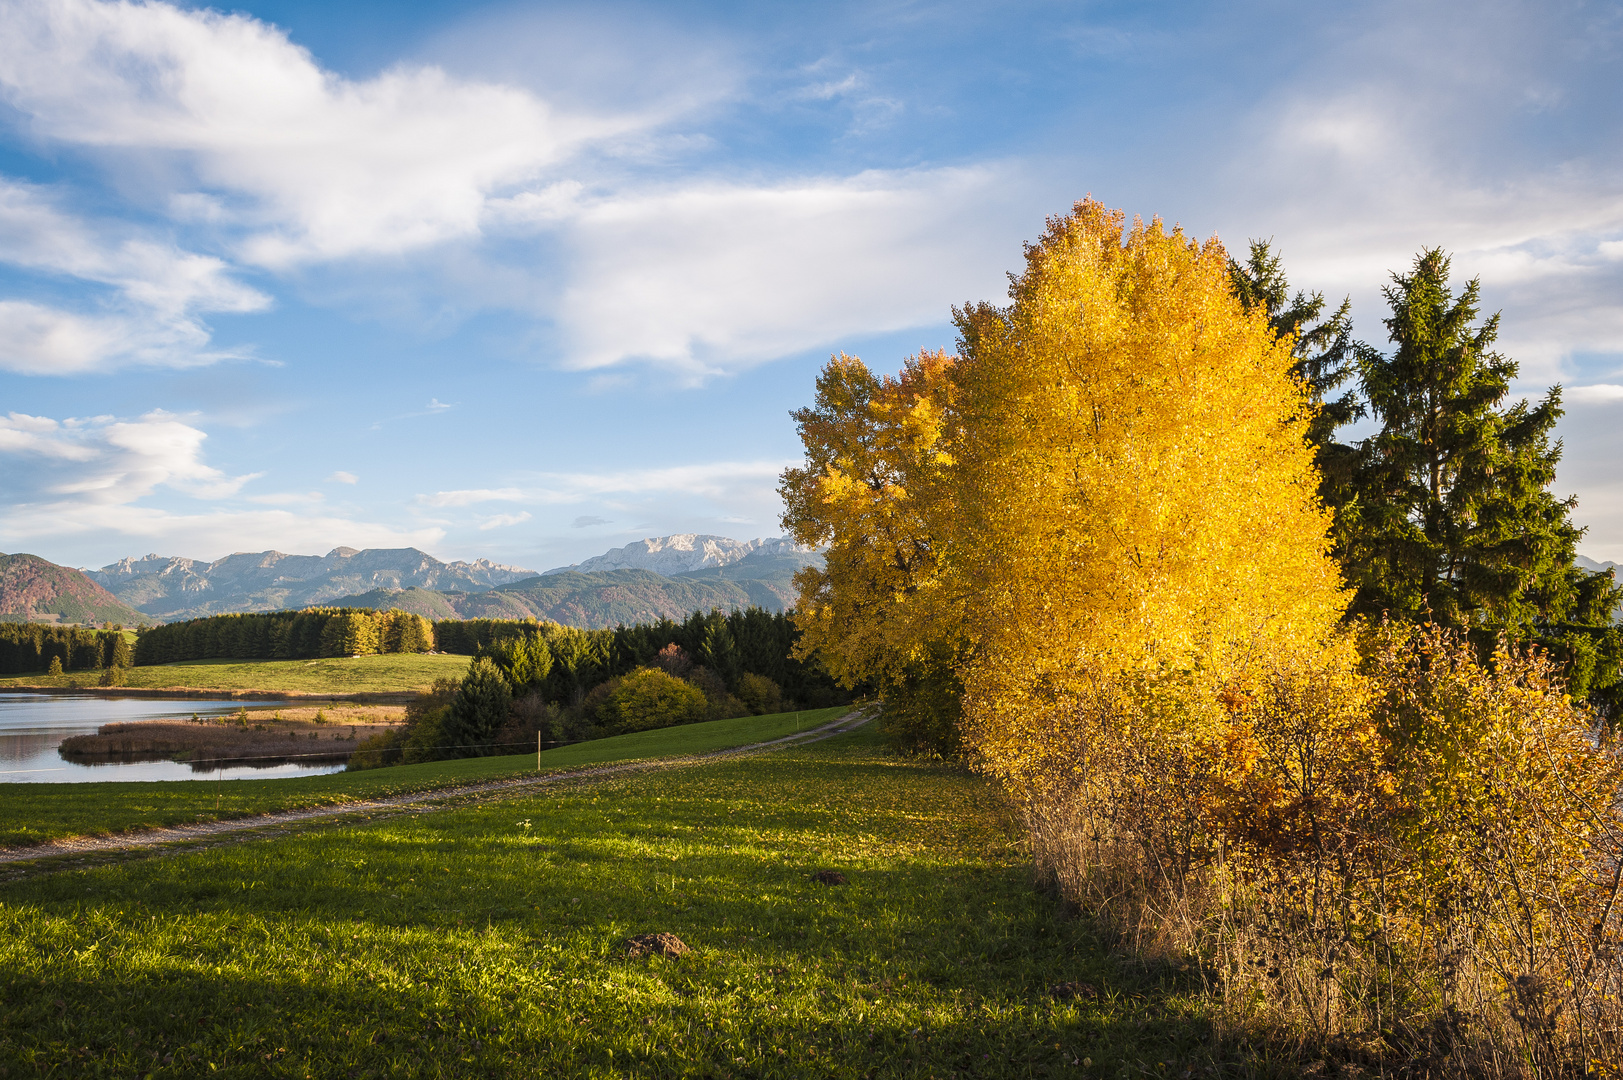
{"x":875,"y":491}
{"x":1134,"y":496}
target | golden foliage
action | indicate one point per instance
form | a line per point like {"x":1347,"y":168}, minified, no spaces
{"x":876,"y":490}
{"x":1134,"y":494}
{"x":1097,"y":531}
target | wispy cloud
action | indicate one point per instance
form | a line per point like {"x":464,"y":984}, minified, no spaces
{"x":498,"y":521}
{"x":155,"y":292}
{"x":116,"y":481}
{"x":1598,"y":394}
{"x":316,"y":166}
{"x":342,"y":477}
{"x":472,"y":496}
{"x":714,"y":277}
{"x":710,"y":480}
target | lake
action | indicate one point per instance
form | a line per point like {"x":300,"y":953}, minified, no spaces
{"x":32,"y":726}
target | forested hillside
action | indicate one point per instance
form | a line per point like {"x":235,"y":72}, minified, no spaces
{"x":34,"y":589}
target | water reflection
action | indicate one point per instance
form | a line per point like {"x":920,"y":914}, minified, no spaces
{"x":32,"y":726}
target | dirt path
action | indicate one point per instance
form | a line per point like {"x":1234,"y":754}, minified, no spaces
{"x":415,"y":802}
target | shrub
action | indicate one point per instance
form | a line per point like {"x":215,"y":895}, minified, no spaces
{"x":649,"y":698}
{"x":760,"y":694}
{"x":532,"y":718}
{"x":56,"y":666}
{"x":1411,"y":852}
{"x":377,"y":750}
{"x":432,"y":738}
{"x":723,"y":705}
{"x":112,"y":676}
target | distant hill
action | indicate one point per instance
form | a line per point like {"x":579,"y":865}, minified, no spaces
{"x":170,"y":588}
{"x":1596,"y":567}
{"x":761,"y":576}
{"x":33,"y":589}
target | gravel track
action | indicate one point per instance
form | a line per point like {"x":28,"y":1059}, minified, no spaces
{"x":416,"y":802}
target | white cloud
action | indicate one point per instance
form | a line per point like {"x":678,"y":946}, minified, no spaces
{"x":1599,"y":394}
{"x":113,"y":461}
{"x":37,"y":234}
{"x":498,"y":521}
{"x":318,"y":166}
{"x":708,"y":480}
{"x":158,"y":290}
{"x":715,"y":276}
{"x":468,"y":498}
{"x":292,"y":164}
{"x":342,"y":477}
{"x":95,"y":480}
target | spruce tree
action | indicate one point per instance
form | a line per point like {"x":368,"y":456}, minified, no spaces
{"x":1326,"y":356}
{"x":1453,"y":520}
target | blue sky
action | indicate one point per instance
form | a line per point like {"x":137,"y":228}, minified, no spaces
{"x":528,"y":281}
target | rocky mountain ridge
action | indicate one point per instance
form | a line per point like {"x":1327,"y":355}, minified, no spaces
{"x":171,"y":588}
{"x":761,"y":577}
{"x":682,"y":553}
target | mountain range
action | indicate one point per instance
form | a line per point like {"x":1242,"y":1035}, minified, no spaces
{"x":660,"y":577}
{"x":1596,"y":567}
{"x":168,"y":589}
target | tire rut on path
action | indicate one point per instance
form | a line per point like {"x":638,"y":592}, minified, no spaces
{"x":419,"y":802}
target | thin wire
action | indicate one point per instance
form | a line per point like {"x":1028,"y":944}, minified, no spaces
{"x":329,"y":757}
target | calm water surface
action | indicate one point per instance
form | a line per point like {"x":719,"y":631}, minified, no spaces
{"x":32,"y":726}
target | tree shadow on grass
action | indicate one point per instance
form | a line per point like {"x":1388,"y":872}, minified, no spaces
{"x":487,"y":941}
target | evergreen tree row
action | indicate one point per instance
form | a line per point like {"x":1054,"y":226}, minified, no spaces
{"x":286,"y":635}
{"x":561,"y":663}
{"x":30,"y":647}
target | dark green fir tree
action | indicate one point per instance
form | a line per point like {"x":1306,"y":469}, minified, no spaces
{"x":1453,"y":519}
{"x":1326,"y":357}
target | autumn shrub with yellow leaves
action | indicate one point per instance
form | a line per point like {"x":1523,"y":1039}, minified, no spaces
{"x":1088,"y":552}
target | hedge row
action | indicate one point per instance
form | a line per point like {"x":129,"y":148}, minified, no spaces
{"x":30,"y":647}
{"x":286,"y":635}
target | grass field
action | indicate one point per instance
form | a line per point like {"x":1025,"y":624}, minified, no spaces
{"x":391,"y":673}
{"x":38,"y":812}
{"x":486,"y":941}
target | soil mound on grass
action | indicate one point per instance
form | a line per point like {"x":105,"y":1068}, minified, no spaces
{"x":1067,"y":991}
{"x":829,"y":877}
{"x":661,"y":944}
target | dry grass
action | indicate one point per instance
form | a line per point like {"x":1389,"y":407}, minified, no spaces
{"x":308,"y":734}
{"x":1430,"y":881}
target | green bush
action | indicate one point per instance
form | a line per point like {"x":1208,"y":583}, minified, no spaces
{"x":650,"y":698}
{"x":760,"y":694}
{"x":431,"y":738}
{"x":376,"y":751}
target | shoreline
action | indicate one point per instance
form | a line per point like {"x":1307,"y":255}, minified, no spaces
{"x":192,"y":693}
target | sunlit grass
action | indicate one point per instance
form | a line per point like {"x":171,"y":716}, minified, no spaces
{"x":40,"y":812}
{"x":393,"y":673}
{"x":486,"y":941}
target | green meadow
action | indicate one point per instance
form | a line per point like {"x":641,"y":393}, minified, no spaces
{"x":41,"y":812}
{"x":392,"y":673}
{"x":486,"y":940}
